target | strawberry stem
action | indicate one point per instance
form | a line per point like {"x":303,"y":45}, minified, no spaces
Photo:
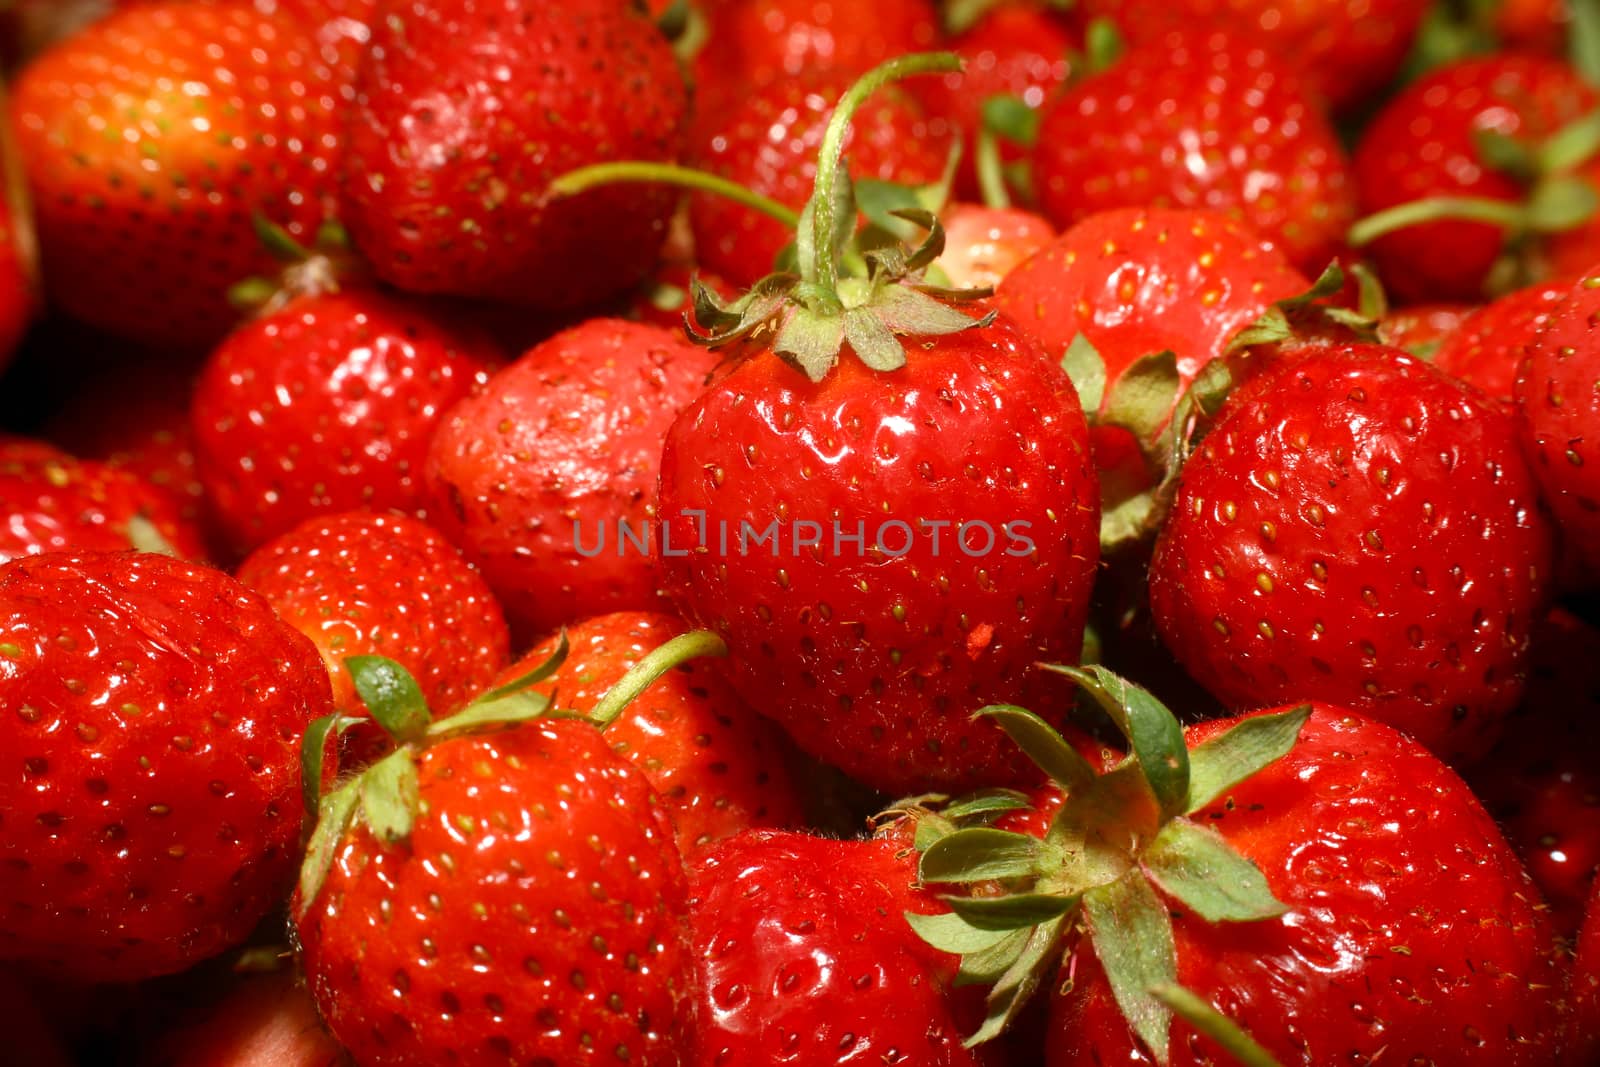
{"x":1205,"y":1018}
{"x":823,"y":268}
{"x":1467,"y":208}
{"x":586,"y":178}
{"x":659,"y":661}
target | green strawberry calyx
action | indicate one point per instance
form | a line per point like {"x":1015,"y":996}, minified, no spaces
{"x":1123,"y":844}
{"x":383,"y":796}
{"x":322,"y":268}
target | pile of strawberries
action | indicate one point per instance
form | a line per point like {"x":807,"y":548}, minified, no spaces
{"x":713,"y":533}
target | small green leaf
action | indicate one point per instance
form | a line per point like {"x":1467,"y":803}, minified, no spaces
{"x":1132,"y":935}
{"x":880,"y":200}
{"x":313,"y":753}
{"x":932,"y":246}
{"x":144,"y":536}
{"x":1272,"y":328}
{"x":1583,"y":40}
{"x":1011,"y":119}
{"x":333,"y":817}
{"x":1128,"y":521}
{"x":1143,"y":396}
{"x":1198,"y":868}
{"x":1561,"y":204}
{"x":1012,"y":912}
{"x":1373,"y":302}
{"x":1103,"y":44}
{"x":1231,"y":757}
{"x":986,"y":966}
{"x":252,"y":294}
{"x":981,"y":854}
{"x":276,"y":240}
{"x":1034,"y":958}
{"x":949,"y":932}
{"x":1206,"y":1019}
{"x":391,"y":695}
{"x":389,"y":796}
{"x":501,"y":711}
{"x":988,"y":802}
{"x":551,"y":664}
{"x":872,"y":341}
{"x":906,"y":310}
{"x":1042,"y":744}
{"x":810,"y":341}
{"x":1571,"y":146}
{"x":1087,"y":370}
{"x":1506,"y":154}
{"x":1152,"y":730}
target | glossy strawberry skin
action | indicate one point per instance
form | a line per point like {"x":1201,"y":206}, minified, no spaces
{"x":1560,"y":404}
{"x":984,"y":244}
{"x":156,"y":709}
{"x":1488,"y":347}
{"x":1403,"y":898}
{"x":1423,"y":329}
{"x":1586,"y":984}
{"x":1540,"y":783}
{"x":539,"y":906}
{"x":467,"y":110}
{"x":767,"y":140}
{"x":366,"y":584}
{"x":54,"y":503}
{"x":529,"y":475}
{"x":1348,"y":49}
{"x":326,"y":406}
{"x":1422,"y":144}
{"x":1358,"y":527}
{"x":1199,"y":120}
{"x":1135,"y":281}
{"x":148,"y":141}
{"x":808,"y":961}
{"x":874,"y":662}
{"x":718,"y":767}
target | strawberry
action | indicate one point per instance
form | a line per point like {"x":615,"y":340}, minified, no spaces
{"x":468,"y":109}
{"x":1586,"y":983}
{"x":546,"y":479}
{"x":1199,"y":120}
{"x":802,"y":496}
{"x":1560,"y":403}
{"x":1509,"y":135}
{"x":1304,"y":886}
{"x":531,"y":900}
{"x":1348,"y":49}
{"x":984,"y":244}
{"x":718,"y":767}
{"x":1422,"y":328}
{"x":1541,"y":784}
{"x":55,"y":503}
{"x":327,"y":405}
{"x":767,"y":140}
{"x":1358,"y":527}
{"x":1487,"y":348}
{"x":364,"y":584}
{"x":263,"y":1021}
{"x":149,"y":140}
{"x":788,"y":927}
{"x":155,"y":715}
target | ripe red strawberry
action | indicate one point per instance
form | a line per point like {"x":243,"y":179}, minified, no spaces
{"x":751,"y":43}
{"x":1560,"y":403}
{"x":1422,"y":328}
{"x":1488,"y":347}
{"x":1429,"y":142}
{"x":1586,"y":984}
{"x":718,"y":767}
{"x":364,"y":584}
{"x":1358,"y":527}
{"x":151,"y":137}
{"x":468,"y":109}
{"x":1200,"y":120}
{"x":766,"y":139}
{"x":263,"y":1021}
{"x":327,"y":405}
{"x":154,"y":712}
{"x":789,"y":929}
{"x":1348,"y":49}
{"x":55,"y":503}
{"x":530,"y":900}
{"x":982,"y":244}
{"x":1306,"y":878}
{"x":1541,"y":784}
{"x":536,"y":475}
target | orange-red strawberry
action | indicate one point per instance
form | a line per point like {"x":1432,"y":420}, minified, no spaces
{"x":983,"y":244}
{"x":153,"y":710}
{"x":365,"y":584}
{"x":1358,"y":527}
{"x":1487,"y":348}
{"x":546,"y":478}
{"x":1558,"y":392}
{"x":327,"y":405}
{"x":718,"y":767}
{"x":54,"y":503}
{"x":151,"y":137}
{"x":1200,"y":120}
{"x":466,"y":111}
